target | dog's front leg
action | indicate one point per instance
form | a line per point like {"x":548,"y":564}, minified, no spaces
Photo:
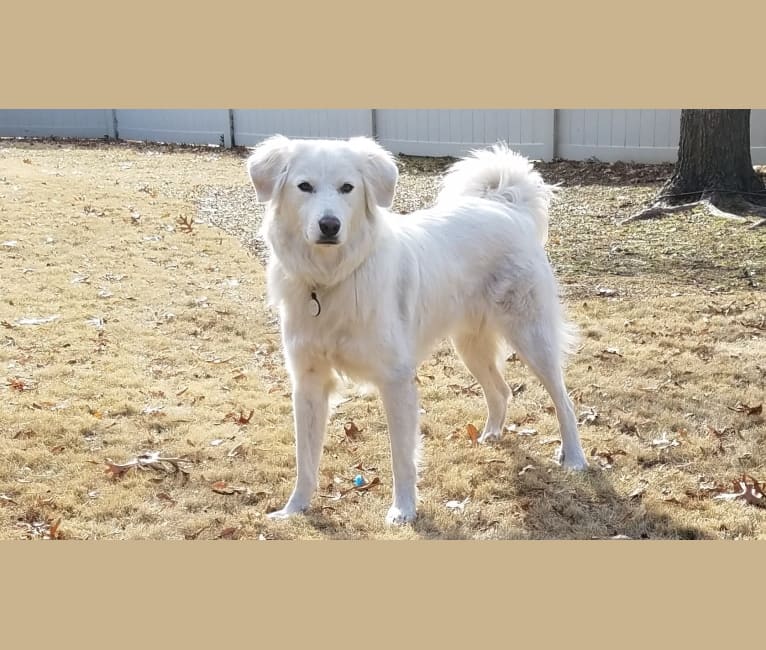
{"x":400,"y":400}
{"x":310,"y":398}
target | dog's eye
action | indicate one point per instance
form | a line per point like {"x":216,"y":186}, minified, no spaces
{"x":305,"y":187}
{"x":346,"y":188}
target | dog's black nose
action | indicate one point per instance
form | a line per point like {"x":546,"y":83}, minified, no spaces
{"x":329,"y":226}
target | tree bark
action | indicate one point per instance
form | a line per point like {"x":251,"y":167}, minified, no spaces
{"x":714,"y":169}
{"x":713,"y":156}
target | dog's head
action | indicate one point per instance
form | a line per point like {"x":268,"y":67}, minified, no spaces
{"x":324,"y":188}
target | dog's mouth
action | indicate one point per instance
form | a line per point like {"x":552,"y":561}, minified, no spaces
{"x":327,"y":241}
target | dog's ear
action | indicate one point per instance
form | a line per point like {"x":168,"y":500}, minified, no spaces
{"x":378,"y":169}
{"x":267,"y":166}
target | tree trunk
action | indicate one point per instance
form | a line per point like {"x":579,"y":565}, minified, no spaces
{"x":714,"y":169}
{"x":713,"y":156}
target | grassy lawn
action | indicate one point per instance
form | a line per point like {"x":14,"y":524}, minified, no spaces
{"x":133,"y":321}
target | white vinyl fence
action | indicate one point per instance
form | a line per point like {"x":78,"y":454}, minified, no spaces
{"x":546,"y":134}
{"x":611,"y":135}
{"x":183,"y":126}
{"x":455,"y":132}
{"x":250,"y":127}
{"x":71,"y":123}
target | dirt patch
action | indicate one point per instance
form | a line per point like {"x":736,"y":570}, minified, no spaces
{"x":132,"y":321}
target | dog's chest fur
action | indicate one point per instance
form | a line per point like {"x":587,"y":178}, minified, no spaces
{"x":338,"y":328}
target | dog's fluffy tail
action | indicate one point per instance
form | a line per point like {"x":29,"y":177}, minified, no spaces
{"x":500,"y":174}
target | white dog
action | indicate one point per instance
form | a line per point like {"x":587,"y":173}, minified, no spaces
{"x":366,"y":293}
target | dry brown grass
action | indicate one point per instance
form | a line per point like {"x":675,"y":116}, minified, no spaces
{"x":183,"y":349}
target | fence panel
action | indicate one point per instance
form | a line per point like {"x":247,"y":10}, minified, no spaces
{"x":612,"y":135}
{"x":61,"y":123}
{"x":608,"y":135}
{"x":455,"y":132}
{"x":252,"y":126}
{"x":178,"y":126}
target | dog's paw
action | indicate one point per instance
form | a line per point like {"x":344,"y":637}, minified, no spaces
{"x":489,"y":436}
{"x":286,"y":512}
{"x":400,"y":516}
{"x":575,"y":462}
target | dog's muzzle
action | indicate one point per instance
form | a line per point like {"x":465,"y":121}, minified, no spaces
{"x":329,"y":227}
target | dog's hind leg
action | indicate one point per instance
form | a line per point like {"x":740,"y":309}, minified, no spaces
{"x":535,"y":335}
{"x":479,"y":353}
{"x":311,"y":391}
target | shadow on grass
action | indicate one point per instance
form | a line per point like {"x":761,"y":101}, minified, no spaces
{"x":549,"y":503}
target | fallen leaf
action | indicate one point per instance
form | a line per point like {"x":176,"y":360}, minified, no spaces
{"x":718,"y":433}
{"x":747,"y":488}
{"x":724,"y":310}
{"x":222,"y":487}
{"x":351,"y":430}
{"x":607,"y":456}
{"x":197,"y":532}
{"x":39,"y":529}
{"x":473,"y":434}
{"x":239,"y":418}
{"x":19,"y":384}
{"x":147,"y":460}
{"x":228,"y":533}
{"x":95,"y":413}
{"x":186,"y":224}
{"x":53,"y":531}
{"x":744,"y":408}
{"x":162,"y":496}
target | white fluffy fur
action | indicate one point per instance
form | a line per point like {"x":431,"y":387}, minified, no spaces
{"x":471,"y":268}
